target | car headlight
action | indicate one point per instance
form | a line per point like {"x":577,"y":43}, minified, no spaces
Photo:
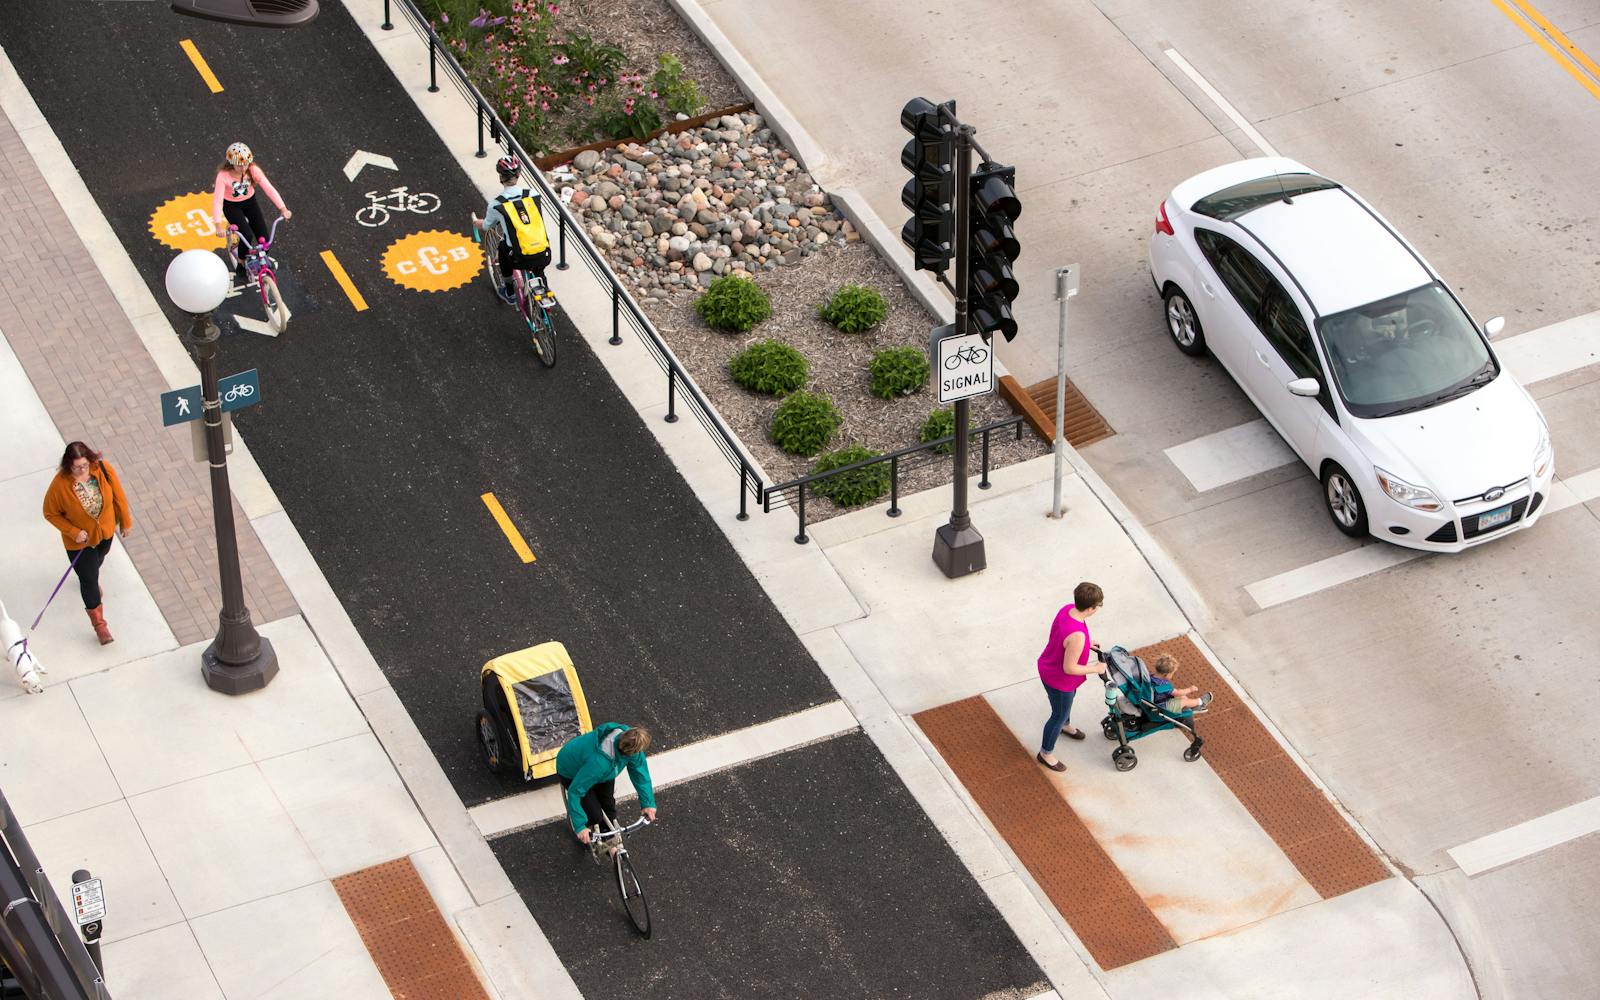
{"x":1403,"y":492}
{"x":1544,"y":454}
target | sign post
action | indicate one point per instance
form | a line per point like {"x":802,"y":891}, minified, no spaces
{"x":89,"y":906}
{"x":1066,"y":288}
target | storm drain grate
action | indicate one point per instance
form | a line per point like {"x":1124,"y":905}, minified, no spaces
{"x":1053,"y":844}
{"x":1083,"y":424}
{"x":408,"y":939}
{"x":1295,"y":813}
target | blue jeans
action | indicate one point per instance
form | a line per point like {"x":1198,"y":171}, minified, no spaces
{"x":1060,"y":709}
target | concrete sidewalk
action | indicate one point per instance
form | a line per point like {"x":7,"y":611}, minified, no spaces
{"x":297,"y":842}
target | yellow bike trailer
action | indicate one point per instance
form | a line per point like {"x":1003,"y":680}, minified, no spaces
{"x":532,"y":704}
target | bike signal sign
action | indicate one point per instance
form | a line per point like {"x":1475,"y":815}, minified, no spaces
{"x":432,"y":261}
{"x":184,"y":223}
{"x":963,"y":366}
{"x":235,"y":391}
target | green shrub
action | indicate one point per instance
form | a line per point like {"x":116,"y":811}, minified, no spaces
{"x":677,"y":91}
{"x":770,"y":367}
{"x":854,"y":308}
{"x":856,"y":487}
{"x":624,"y":116}
{"x":733,"y":303}
{"x":804,"y":422}
{"x":898,"y":371}
{"x":940,"y":423}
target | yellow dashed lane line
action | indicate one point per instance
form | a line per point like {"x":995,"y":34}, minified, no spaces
{"x":512,"y":534}
{"x":344,"y":281}
{"x":200,"y":66}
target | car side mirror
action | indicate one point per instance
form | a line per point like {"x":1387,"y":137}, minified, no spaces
{"x":1494,"y":326}
{"x":1305,"y":387}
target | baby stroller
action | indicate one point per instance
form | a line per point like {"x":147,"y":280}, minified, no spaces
{"x":532,"y":704}
{"x":1131,"y":711}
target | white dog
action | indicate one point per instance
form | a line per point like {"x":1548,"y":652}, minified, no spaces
{"x":27,"y":665}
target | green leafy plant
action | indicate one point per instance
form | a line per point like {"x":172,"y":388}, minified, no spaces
{"x":804,"y":423}
{"x":677,"y":91}
{"x":625,"y":116}
{"x":854,"y":309}
{"x":856,"y":487}
{"x":733,"y":303}
{"x":590,"y":60}
{"x":898,"y":371}
{"x":770,"y":367}
{"x":941,"y":423}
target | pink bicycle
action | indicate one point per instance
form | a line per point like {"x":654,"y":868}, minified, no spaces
{"x":261,"y":267}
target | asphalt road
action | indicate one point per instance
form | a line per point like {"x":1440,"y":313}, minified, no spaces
{"x":871,"y":903}
{"x":380,"y":429}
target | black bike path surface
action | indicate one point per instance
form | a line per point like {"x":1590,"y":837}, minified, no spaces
{"x":869,"y":903}
{"x":379,"y":430}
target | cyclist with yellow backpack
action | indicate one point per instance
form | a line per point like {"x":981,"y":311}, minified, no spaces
{"x":524,"y":244}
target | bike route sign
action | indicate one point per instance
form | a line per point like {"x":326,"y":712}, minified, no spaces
{"x":963,"y":367}
{"x":236,"y":392}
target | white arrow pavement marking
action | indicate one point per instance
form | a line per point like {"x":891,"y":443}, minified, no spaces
{"x":255,"y":325}
{"x":366,"y":159}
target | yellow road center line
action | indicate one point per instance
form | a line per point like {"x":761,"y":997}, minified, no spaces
{"x":1560,"y":39}
{"x":344,"y":281}
{"x":512,"y":534}
{"x":1549,"y":47}
{"x":200,"y":66}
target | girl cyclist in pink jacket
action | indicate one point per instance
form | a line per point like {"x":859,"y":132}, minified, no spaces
{"x":234,"y":196}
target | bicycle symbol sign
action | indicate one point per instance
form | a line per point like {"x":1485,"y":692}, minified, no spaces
{"x":184,"y":223}
{"x":432,"y":261}
{"x":380,"y":205}
{"x":965,"y":366}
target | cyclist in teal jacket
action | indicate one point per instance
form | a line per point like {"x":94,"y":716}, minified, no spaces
{"x":588,"y":766}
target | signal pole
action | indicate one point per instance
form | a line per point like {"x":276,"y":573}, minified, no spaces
{"x":957,"y":545}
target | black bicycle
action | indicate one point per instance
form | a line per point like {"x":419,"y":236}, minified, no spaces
{"x":628,"y":885}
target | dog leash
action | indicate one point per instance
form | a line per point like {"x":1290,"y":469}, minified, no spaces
{"x":23,"y":642}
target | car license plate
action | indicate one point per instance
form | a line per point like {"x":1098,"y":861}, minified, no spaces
{"x":1494,"y":518}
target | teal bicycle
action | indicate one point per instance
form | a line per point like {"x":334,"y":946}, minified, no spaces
{"x":533,"y":298}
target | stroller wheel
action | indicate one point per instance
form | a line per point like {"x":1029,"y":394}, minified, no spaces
{"x":494,"y":751}
{"x":1124,"y":758}
{"x":1108,"y":728}
{"x":1192,"y":753}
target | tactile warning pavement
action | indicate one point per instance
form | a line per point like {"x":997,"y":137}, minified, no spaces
{"x":1294,"y":812}
{"x":1053,"y":844}
{"x":406,"y":935}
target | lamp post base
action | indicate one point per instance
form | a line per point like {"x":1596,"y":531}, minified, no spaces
{"x":958,"y":551}
{"x":239,"y":678}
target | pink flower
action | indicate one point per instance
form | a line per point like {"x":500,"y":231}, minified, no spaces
{"x":654,"y":94}
{"x":544,"y":105}
{"x":446,"y":18}
{"x":589,"y":101}
{"x":560,"y":60}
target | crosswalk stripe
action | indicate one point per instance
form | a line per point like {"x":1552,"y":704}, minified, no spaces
{"x":1552,"y":350}
{"x":1527,"y":839}
{"x":1230,"y":455}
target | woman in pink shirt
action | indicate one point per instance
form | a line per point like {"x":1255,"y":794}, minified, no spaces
{"x":234,"y":196}
{"x":1063,"y":666}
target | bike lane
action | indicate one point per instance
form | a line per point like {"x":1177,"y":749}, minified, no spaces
{"x":381,"y":427}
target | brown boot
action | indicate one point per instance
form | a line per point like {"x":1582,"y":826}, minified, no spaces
{"x":102,"y":631}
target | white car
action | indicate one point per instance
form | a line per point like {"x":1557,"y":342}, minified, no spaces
{"x":1356,"y":351}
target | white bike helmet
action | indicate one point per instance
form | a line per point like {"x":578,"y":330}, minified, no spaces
{"x":239,"y":155}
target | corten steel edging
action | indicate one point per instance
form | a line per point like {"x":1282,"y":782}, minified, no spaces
{"x":1086,"y":887}
{"x":1279,"y":796}
{"x":561,"y":156}
{"x":404,"y":932}
{"x":622,"y":299}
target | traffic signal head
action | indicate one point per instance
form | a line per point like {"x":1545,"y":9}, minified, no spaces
{"x":991,"y":287}
{"x":930,"y":193}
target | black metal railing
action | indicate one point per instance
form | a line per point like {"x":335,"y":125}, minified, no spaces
{"x":793,"y":493}
{"x":39,"y":941}
{"x":490,"y":127}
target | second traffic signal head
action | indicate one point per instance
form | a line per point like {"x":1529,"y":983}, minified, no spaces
{"x":930,"y":193}
{"x":991,"y":287}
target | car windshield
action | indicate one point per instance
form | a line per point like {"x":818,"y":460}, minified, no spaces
{"x":1230,"y":203}
{"x":1406,"y":352}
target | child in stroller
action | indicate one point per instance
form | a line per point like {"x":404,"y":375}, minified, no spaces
{"x":1173,"y":700}
{"x":1138,"y":704}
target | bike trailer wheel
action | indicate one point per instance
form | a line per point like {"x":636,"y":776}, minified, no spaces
{"x":633,"y":899}
{"x":492,"y":745}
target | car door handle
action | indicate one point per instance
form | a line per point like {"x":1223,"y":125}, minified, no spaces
{"x":1263,"y":359}
{"x":1207,"y":289}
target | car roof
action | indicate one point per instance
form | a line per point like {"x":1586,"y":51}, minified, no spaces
{"x":1339,"y":251}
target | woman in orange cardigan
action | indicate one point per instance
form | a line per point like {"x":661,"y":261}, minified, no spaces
{"x":86,"y":504}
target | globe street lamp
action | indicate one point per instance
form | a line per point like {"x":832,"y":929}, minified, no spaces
{"x":238,"y":659}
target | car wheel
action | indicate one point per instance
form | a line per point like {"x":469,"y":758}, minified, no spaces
{"x":1344,"y":501}
{"x":1184,"y":325}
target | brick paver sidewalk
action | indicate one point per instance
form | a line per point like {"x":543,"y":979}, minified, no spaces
{"x":100,"y":385}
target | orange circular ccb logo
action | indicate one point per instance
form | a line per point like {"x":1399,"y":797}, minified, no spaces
{"x":184,"y":223}
{"x":432,"y":261}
